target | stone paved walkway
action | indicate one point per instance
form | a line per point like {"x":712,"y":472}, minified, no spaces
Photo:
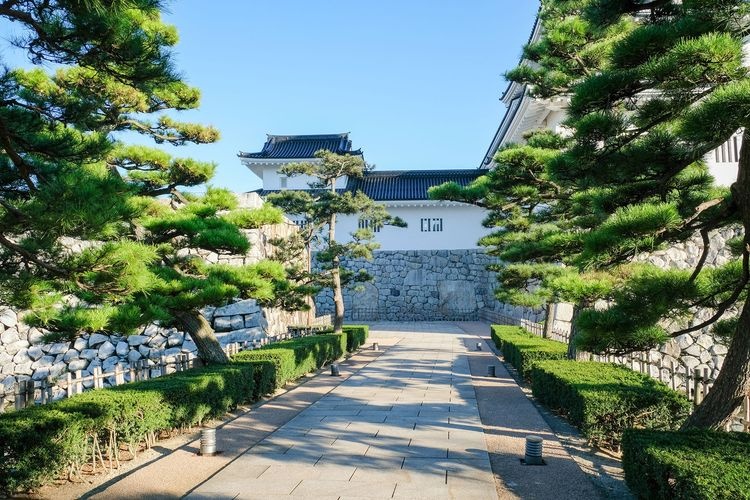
{"x":405,"y":426}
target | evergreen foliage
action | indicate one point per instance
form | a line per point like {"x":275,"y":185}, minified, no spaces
{"x":652,"y":88}
{"x":317,"y":209}
{"x":66,"y":179}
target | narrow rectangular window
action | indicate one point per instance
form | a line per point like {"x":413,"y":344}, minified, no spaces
{"x":369,"y":224}
{"x":283,"y":180}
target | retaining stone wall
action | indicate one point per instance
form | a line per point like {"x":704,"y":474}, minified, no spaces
{"x":418,"y":285}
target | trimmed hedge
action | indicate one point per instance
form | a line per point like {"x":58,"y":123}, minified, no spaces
{"x":522,"y":349}
{"x":356,"y":336}
{"x":39,"y":444}
{"x":605,"y":399}
{"x":687,"y":465}
{"x":294,"y":358}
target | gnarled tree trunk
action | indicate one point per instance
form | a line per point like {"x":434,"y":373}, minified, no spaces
{"x":338,"y":297}
{"x":209,"y":348}
{"x":733,"y":382}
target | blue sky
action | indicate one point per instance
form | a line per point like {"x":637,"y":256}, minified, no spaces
{"x":416,"y":82}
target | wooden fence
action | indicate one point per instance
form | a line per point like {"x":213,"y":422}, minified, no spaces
{"x":695,"y":383}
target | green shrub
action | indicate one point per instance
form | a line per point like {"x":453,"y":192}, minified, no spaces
{"x":200,"y":394}
{"x":264,"y":374}
{"x":294,"y":358}
{"x":356,"y":336}
{"x":522,"y":349}
{"x":38,"y":444}
{"x":687,"y":465}
{"x":605,"y":399}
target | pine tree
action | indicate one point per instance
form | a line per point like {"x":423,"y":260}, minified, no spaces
{"x":317,"y":210}
{"x":68,"y":183}
{"x":653,"y":87}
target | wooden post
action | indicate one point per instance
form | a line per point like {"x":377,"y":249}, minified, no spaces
{"x":672,"y":375}
{"x":162,"y":365}
{"x":119,"y":375}
{"x":78,"y":383}
{"x":69,"y":385}
{"x":19,"y":399}
{"x":131,"y":371}
{"x":98,"y":378}
{"x":696,"y":386}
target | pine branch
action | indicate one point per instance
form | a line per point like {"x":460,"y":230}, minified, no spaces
{"x":18,"y":162}
{"x":724,"y":306}
{"x":30,"y":257}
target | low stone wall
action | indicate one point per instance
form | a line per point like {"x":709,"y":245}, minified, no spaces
{"x":418,"y":285}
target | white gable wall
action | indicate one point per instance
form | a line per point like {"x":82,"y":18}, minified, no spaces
{"x":461,"y":226}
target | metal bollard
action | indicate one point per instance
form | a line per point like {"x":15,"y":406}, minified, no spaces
{"x":335,"y":370}
{"x":375,"y":346}
{"x":479,"y":346}
{"x":534,"y":445}
{"x":491,"y":371}
{"x":208,"y":442}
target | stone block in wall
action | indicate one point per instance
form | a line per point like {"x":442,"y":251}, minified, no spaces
{"x":16,"y":346}
{"x":96,"y":339}
{"x":222,"y":323}
{"x":136,"y":340}
{"x":89,"y":354}
{"x":9,"y":336}
{"x":236,"y":322}
{"x":248,"y":306}
{"x":106,"y":350}
{"x":57,"y":348}
{"x":175,"y":338}
{"x":36,"y":336}
{"x":77,"y":364}
{"x":122,"y":348}
{"x":8,"y":317}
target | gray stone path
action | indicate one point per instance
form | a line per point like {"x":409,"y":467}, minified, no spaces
{"x":405,"y":426}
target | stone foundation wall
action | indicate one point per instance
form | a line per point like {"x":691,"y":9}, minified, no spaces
{"x":418,"y":285}
{"x":24,"y":355}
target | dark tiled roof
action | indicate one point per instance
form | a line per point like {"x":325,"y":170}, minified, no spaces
{"x":302,"y":146}
{"x":408,"y":184}
{"x":265,"y":192}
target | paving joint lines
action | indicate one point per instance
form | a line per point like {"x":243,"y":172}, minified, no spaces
{"x":382,"y":433}
{"x":603,"y":471}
